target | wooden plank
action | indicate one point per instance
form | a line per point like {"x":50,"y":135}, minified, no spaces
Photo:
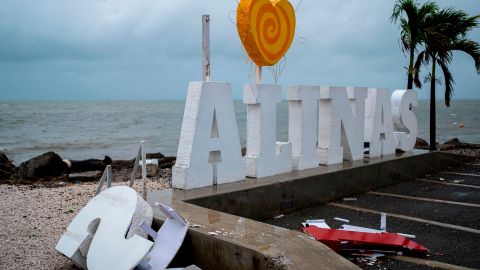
{"x":431,"y":222}
{"x":434,"y":264}
{"x":424,"y":199}
{"x":446,"y":183}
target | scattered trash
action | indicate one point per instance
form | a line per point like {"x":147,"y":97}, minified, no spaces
{"x":349,"y":199}
{"x":320,"y":223}
{"x":341,"y":219}
{"x":197,"y":226}
{"x":360,"y":241}
{"x":461,"y":125}
{"x":458,"y":181}
{"x":442,"y":179}
{"x":411,"y":236}
{"x":279,"y":216}
{"x":343,"y":241}
{"x":359,"y":229}
{"x":383,"y":222}
{"x":212,"y":233}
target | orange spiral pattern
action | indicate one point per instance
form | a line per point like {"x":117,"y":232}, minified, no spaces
{"x":266,"y":29}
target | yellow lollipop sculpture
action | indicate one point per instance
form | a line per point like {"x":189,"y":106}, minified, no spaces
{"x":266,"y":29}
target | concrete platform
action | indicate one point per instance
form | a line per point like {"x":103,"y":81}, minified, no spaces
{"x":228,"y":234}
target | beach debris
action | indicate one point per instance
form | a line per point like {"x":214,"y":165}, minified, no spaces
{"x":279,"y":216}
{"x":442,"y":179}
{"x":411,"y":236}
{"x":461,"y":125}
{"x":343,"y":241}
{"x":349,"y":199}
{"x":87,"y":240}
{"x":383,"y":222}
{"x":358,"y":229}
{"x":320,"y":223}
{"x":212,"y":233}
{"x":168,"y":239}
{"x":458,"y":181}
{"x":341,"y":219}
{"x":87,"y":165}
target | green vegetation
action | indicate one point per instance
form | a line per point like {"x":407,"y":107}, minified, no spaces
{"x":439,"y":32}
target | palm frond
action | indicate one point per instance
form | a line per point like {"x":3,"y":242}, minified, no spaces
{"x":420,"y":61}
{"x":469,"y":47}
{"x":448,"y":82}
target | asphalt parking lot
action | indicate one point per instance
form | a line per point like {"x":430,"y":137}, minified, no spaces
{"x":442,"y":210}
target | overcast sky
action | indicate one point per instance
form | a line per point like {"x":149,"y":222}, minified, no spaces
{"x":151,"y":49}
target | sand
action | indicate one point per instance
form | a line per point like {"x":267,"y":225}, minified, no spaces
{"x":32,"y":219}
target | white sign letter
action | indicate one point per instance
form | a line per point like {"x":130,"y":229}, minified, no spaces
{"x":404,"y":119}
{"x":265,"y":156}
{"x":341,"y":124}
{"x":209,"y":150}
{"x":379,"y":123}
{"x":303,"y":124}
{"x":112,"y":211}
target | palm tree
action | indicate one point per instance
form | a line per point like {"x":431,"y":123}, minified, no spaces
{"x":446,"y":32}
{"x":412,"y":18}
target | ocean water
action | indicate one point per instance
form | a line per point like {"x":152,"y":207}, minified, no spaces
{"x":92,"y":129}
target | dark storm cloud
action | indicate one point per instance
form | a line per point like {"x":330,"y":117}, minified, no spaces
{"x":147,"y":49}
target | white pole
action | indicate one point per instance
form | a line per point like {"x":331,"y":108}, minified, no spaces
{"x":206,"y":47}
{"x":109,"y":176}
{"x":144,"y":171}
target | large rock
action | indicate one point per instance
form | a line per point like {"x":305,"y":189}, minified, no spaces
{"x":421,"y":144}
{"x":6,"y":167}
{"x":46,"y":166}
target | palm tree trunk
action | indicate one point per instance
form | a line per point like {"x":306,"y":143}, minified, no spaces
{"x":433,"y":120}
{"x":410,"y":69}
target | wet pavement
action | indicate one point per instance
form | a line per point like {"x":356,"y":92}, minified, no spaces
{"x":449,"y":228}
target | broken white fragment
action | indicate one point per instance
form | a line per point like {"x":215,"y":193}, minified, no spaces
{"x":167,"y":240}
{"x":279,"y":216}
{"x":341,"y":219}
{"x":349,"y":199}
{"x":383,"y":222}
{"x":358,"y":229}
{"x":319,"y":223}
{"x":411,"y":236}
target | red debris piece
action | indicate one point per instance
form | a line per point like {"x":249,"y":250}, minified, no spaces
{"x":348,"y":241}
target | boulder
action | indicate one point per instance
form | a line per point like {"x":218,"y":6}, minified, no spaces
{"x":46,"y":166}
{"x":6,"y":167}
{"x":453,"y":141}
{"x":421,"y":144}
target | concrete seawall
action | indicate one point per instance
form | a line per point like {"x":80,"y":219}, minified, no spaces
{"x":228,"y":234}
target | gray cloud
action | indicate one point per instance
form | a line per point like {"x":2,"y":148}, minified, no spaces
{"x":147,"y":49}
